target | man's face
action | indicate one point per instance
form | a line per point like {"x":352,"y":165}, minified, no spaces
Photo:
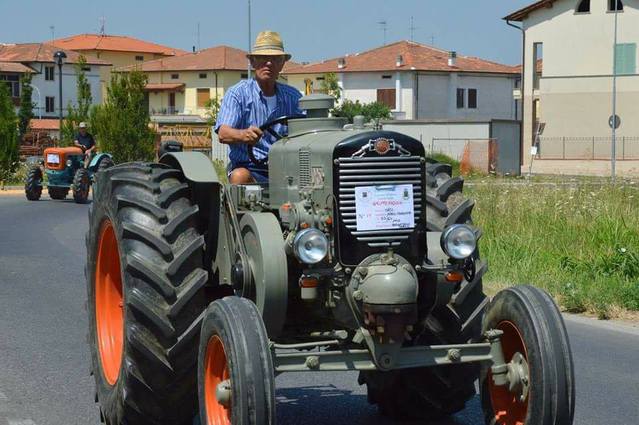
{"x":267,"y":68}
{"x":83,"y":131}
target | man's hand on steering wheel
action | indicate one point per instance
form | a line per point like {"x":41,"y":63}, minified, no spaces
{"x":252,"y":135}
{"x":268,"y":127}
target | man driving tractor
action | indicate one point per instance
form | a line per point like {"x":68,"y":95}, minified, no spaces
{"x":84,"y":140}
{"x":251,"y":103}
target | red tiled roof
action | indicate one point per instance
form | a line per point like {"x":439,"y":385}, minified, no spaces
{"x":114,"y":43}
{"x":15,"y":67}
{"x":163,"y":86}
{"x":416,"y":57}
{"x":40,"y":52}
{"x":523,"y":12}
{"x":216,"y":58}
{"x":539,"y":66}
{"x":44,"y":124}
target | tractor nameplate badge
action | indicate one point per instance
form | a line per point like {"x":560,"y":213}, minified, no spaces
{"x":381,"y":146}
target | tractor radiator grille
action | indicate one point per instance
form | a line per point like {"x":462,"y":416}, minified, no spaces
{"x":376,"y":171}
{"x":305,"y":169}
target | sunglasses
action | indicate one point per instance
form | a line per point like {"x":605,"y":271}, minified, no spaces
{"x":262,"y":60}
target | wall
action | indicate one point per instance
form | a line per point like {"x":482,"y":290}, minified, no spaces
{"x":69,"y":87}
{"x":575,"y":91}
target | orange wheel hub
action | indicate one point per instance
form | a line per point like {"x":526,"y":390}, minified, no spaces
{"x":109,"y":313}
{"x":508,"y":408}
{"x":215,"y":371}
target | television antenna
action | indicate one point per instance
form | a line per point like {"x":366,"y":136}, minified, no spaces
{"x":383,"y":24}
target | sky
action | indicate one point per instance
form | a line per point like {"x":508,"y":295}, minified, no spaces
{"x":312,"y":30}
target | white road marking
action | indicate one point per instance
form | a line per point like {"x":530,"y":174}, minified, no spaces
{"x":21,"y":422}
{"x":3,"y":396}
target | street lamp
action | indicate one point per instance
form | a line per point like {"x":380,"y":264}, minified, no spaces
{"x":59,"y":58}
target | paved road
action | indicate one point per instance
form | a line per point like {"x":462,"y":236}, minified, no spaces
{"x":44,"y":362}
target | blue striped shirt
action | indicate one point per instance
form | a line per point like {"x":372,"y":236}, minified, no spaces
{"x":245,"y":105}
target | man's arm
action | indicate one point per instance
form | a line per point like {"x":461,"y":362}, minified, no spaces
{"x":229,"y":135}
{"x":228,"y":122}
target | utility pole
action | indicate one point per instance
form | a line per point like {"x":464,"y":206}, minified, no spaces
{"x":613,"y":163}
{"x":248,"y":71}
{"x":383,"y":25}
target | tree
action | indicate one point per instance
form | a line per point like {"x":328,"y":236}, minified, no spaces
{"x":371,"y":111}
{"x":121,"y":124}
{"x":79,"y":113}
{"x":26,"y":105}
{"x":330,"y":85}
{"x":212,"y":108}
{"x":9,"y":146}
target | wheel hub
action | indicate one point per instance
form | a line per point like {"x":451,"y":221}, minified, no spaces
{"x":518,"y":376}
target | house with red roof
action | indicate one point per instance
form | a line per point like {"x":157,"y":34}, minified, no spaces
{"x":37,"y":60}
{"x":119,"y":50}
{"x":418,"y":82}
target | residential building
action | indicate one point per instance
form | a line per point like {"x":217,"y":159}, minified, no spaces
{"x":568,"y":84}
{"x":37,"y":58}
{"x":119,"y":50}
{"x":418,"y":82}
{"x":183,"y":84}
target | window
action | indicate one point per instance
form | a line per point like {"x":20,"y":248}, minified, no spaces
{"x":611,"y":5}
{"x":203,"y":75}
{"x":538,"y":57}
{"x":86,"y":68}
{"x":244,"y":75}
{"x":583,"y":6}
{"x":139,"y":58}
{"x":461,"y":94}
{"x":387,"y":97}
{"x":49,"y":73}
{"x":203,"y":96}
{"x":175,"y":76}
{"x":13,"y":84}
{"x":320,"y":78}
{"x":626,"y":58}
{"x":387,"y":77}
{"x":472,"y":98}
{"x":49,"y":104}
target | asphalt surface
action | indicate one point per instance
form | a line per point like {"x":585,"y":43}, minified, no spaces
{"x":44,"y":362}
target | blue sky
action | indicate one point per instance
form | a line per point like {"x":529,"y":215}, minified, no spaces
{"x":312,"y":30}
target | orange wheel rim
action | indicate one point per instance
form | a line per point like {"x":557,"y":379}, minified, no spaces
{"x":508,"y":409}
{"x":109,"y":314}
{"x":215,"y":371}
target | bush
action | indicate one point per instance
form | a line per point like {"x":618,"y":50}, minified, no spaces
{"x":371,"y":111}
{"x":9,"y":145}
{"x":121,"y":124}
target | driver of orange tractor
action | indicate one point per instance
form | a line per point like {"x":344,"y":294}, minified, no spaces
{"x":253,"y":102}
{"x":84,"y":140}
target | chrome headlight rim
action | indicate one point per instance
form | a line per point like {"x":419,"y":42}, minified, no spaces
{"x":69,"y":163}
{"x":301,"y":252}
{"x":459,"y":253}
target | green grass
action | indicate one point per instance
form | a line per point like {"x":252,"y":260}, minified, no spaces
{"x":579,"y":241}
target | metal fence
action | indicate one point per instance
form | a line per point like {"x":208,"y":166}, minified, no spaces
{"x":587,"y":148}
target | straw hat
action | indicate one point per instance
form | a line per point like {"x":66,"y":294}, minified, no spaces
{"x":269,"y":43}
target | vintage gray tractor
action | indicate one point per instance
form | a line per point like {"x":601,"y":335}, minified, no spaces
{"x":359,"y":255}
{"x":65,"y":170}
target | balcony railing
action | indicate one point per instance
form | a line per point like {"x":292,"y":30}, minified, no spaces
{"x":588,"y":148}
{"x":169,"y":110}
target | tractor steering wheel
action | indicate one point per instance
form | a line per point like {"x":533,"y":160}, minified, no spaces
{"x":268,"y":127}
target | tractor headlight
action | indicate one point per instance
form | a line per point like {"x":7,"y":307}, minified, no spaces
{"x":310,"y":246}
{"x":459,"y":241}
{"x":69,"y":162}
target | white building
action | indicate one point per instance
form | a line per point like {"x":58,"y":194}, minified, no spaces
{"x":37,"y":59}
{"x":418,"y":82}
{"x":568,"y":91}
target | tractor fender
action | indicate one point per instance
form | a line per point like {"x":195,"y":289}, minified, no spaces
{"x":206,"y":190}
{"x":93,"y":165}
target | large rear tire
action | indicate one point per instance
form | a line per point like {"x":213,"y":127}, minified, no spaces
{"x":145,"y":283}
{"x":234,"y":356}
{"x":430,"y":393}
{"x":81,"y":186}
{"x":534,"y":334}
{"x":33,"y":184}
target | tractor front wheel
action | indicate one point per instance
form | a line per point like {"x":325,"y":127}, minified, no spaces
{"x":236,"y":382}
{"x":146,"y":295}
{"x":541,"y":387}
{"x":33,"y":184}
{"x":81,"y":186}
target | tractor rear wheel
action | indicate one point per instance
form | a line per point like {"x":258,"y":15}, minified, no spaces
{"x":33,"y":184}
{"x":236,"y":381}
{"x":81,"y":186}
{"x":146,"y":295}
{"x":535,"y":341}
{"x":429,"y":393}
{"x":58,"y":192}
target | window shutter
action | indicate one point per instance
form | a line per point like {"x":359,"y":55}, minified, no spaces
{"x":626,"y":58}
{"x":203,"y":96}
